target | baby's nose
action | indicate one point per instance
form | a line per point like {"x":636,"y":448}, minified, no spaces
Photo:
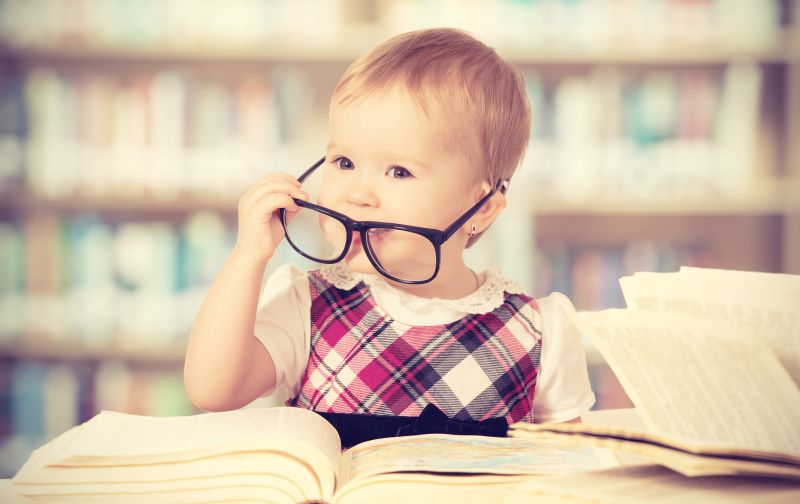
{"x":361,"y":194}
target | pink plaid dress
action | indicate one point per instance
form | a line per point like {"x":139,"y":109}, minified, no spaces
{"x":362,"y":361}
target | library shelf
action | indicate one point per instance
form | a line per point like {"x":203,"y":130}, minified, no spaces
{"x":60,"y":350}
{"x":116,"y":204}
{"x":343,"y":51}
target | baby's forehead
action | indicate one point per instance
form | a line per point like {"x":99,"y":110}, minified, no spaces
{"x":450,"y":118}
{"x":423,"y":100}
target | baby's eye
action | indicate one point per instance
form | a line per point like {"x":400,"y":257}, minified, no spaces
{"x":344,"y":163}
{"x":398,"y":172}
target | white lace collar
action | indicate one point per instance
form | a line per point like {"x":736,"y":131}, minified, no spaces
{"x":484,"y":299}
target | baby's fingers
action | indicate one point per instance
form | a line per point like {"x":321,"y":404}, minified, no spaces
{"x":277,"y":177}
{"x":265,"y":205}
{"x":273,"y":187}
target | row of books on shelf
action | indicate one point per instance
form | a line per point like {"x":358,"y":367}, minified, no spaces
{"x":154,"y":134}
{"x":48,"y":253}
{"x":590,"y":25}
{"x":174,"y":23}
{"x":166,"y":133}
{"x":658,"y":134}
{"x":252,"y":23}
{"x":85,"y":277}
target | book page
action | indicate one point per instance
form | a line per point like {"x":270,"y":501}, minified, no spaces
{"x":627,"y":417}
{"x":687,"y":378}
{"x":672,"y":455}
{"x":590,"y":433}
{"x":268,"y":482}
{"x":466,"y":454}
{"x":233,"y":493}
{"x":117,"y":439}
{"x":9,"y":496}
{"x":279,"y":470}
{"x":773,"y":280}
{"x":656,"y":484}
{"x":148,"y":439}
{"x":402,"y":488}
{"x":45,"y":454}
{"x":755,"y":305}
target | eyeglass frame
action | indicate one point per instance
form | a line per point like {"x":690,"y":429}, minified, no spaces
{"x":435,"y":236}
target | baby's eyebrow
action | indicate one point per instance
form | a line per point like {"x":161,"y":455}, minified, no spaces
{"x":401,"y":159}
{"x":332,"y":146}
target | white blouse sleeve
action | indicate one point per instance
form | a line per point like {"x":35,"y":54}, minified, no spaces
{"x":283,"y":324}
{"x":562,"y":390}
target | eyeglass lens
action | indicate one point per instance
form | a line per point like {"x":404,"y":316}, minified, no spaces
{"x":403,"y":255}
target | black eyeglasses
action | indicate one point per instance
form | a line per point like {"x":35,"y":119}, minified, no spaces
{"x":403,"y":253}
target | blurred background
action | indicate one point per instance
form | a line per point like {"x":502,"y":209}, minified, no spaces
{"x":665,"y":133}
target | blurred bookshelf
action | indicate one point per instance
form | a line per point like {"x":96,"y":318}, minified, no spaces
{"x":664,"y":135}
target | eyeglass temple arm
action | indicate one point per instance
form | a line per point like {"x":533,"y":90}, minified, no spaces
{"x":502,"y":186}
{"x":309,"y":171}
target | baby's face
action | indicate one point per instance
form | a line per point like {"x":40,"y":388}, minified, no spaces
{"x":389,"y":161}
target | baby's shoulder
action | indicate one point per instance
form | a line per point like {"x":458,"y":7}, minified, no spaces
{"x":558,"y":318}
{"x":289,"y":272}
{"x":556,"y":304}
{"x":285,"y":279}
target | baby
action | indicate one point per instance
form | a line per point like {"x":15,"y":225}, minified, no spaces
{"x":426,"y":131}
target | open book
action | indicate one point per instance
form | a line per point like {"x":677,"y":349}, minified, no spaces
{"x":278,"y":454}
{"x":639,"y":483}
{"x":711,"y":360}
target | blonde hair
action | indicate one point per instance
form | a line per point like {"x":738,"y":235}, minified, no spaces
{"x":450,"y":69}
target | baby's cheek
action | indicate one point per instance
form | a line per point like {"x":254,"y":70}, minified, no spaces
{"x":335,"y":233}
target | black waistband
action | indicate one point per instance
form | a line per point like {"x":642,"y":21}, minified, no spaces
{"x":354,"y":428}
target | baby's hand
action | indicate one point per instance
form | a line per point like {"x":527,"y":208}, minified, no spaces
{"x":260,"y":229}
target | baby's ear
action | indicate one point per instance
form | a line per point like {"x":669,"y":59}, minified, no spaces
{"x":492,"y":208}
{"x":484,"y":217}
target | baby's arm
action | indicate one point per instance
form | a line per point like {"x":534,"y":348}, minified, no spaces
{"x":226,"y":366}
{"x":563,"y":391}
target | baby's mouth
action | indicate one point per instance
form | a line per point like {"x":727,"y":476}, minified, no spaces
{"x":355,"y":245}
